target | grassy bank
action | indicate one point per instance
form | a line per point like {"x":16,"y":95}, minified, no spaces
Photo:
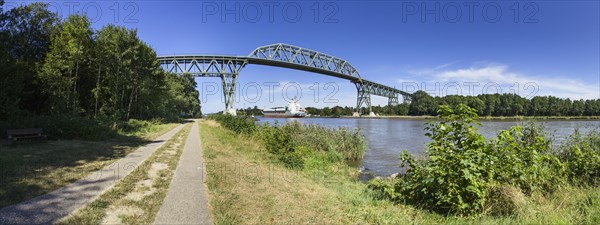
{"x":137,"y":198}
{"x":248,"y":185}
{"x":29,"y":169}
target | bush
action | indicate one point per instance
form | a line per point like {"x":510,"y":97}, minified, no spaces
{"x":581,"y":154}
{"x":524,"y":159}
{"x":278,"y":141}
{"x":463,"y":173}
{"x":294,"y":143}
{"x":455,"y":175}
{"x":64,"y":127}
{"x":348,"y":142}
{"x":239,"y":125}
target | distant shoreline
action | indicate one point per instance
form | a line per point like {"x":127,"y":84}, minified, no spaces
{"x":483,"y":118}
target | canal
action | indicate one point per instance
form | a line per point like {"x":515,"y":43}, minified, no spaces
{"x":388,"y":137}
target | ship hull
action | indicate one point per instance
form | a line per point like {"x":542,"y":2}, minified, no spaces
{"x":282,"y":116}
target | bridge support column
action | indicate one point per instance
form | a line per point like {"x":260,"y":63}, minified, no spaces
{"x":406,"y":99}
{"x":229,"y":82}
{"x":363,"y":98}
{"x":393,"y":100}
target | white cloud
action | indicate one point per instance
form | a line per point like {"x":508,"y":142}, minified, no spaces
{"x":494,"y":78}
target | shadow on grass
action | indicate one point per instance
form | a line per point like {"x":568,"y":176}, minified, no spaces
{"x":32,"y":168}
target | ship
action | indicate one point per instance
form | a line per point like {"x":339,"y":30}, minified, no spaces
{"x":292,"y":110}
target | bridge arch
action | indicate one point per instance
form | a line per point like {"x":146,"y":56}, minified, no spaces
{"x":279,"y":55}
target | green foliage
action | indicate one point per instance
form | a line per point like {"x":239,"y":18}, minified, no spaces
{"x":348,"y":142}
{"x":239,"y":125}
{"x":422,"y":104}
{"x":581,"y":154}
{"x":465,"y":174}
{"x":24,"y":41}
{"x":504,"y":105}
{"x":67,"y":64}
{"x":63,"y":126}
{"x":485,"y":104}
{"x":456,"y":175}
{"x":69,"y":70}
{"x":298,"y":145}
{"x":523,"y":158}
{"x":182,"y":98}
{"x":279,"y":141}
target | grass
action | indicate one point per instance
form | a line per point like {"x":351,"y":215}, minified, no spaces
{"x":246,"y":186}
{"x":138,"y":197}
{"x":30,"y":169}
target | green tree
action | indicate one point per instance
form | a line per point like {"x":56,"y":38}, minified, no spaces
{"x":577,"y":108}
{"x":66,"y":63}
{"x":422,"y":104}
{"x":24,"y":41}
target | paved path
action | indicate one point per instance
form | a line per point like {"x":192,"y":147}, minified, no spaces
{"x":187,"y":200}
{"x":51,"y":207}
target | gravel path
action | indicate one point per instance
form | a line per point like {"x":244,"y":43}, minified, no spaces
{"x":51,"y":207}
{"x":187,"y":199}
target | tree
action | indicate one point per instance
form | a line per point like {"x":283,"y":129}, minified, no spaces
{"x":422,"y":104}
{"x":24,"y":42}
{"x":476,"y":104}
{"x":67,"y":61}
{"x":183,"y":96}
{"x":577,"y":108}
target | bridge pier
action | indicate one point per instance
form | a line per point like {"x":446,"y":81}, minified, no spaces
{"x":363,"y":98}
{"x":393,"y":100}
{"x":229,"y":82}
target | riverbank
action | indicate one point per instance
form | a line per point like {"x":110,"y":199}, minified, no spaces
{"x":490,"y":118}
{"x":248,"y":185}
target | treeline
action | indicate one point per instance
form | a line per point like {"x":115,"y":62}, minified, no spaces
{"x":506,"y":105}
{"x":57,"y":67}
{"x":485,"y":104}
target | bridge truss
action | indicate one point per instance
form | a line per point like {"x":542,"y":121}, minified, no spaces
{"x":279,"y":55}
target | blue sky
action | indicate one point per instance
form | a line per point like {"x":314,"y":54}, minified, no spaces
{"x":444,"y":47}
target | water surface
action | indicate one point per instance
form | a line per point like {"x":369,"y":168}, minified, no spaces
{"x":388,"y":137}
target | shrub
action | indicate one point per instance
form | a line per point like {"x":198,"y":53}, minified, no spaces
{"x":464,"y":174}
{"x":295,"y":143}
{"x":524,"y":158}
{"x":581,"y":154}
{"x":278,"y":141}
{"x":348,"y":142}
{"x":455,"y":175}
{"x":239,"y":125}
{"x":64,"y":126}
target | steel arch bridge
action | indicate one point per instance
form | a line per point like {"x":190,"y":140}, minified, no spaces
{"x":279,"y":55}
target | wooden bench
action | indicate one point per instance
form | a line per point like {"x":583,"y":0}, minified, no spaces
{"x":25,"y":133}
